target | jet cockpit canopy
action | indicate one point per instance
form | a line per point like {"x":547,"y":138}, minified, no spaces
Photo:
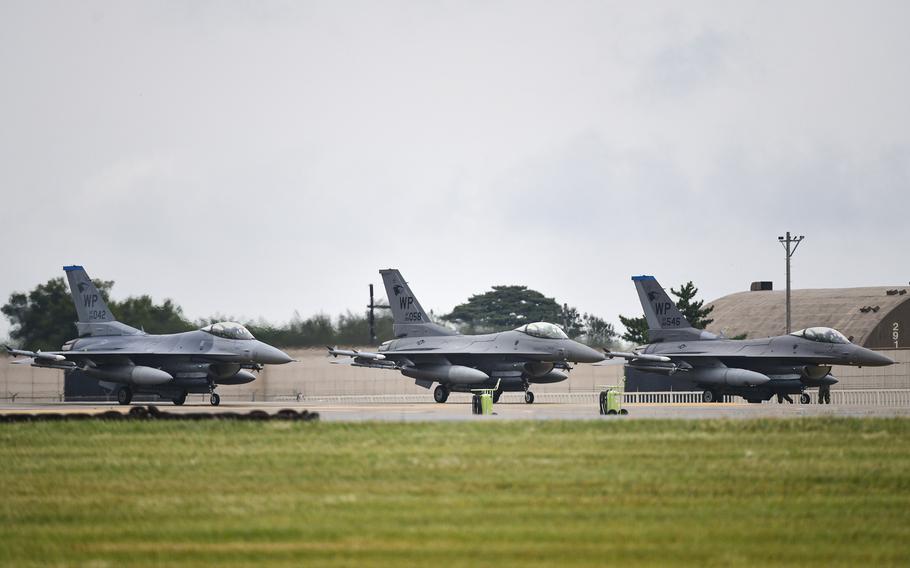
{"x":821,"y":335}
{"x":228,"y":330}
{"x":543,"y":330}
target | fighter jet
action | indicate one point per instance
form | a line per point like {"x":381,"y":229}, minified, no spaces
{"x":128,"y":361}
{"x":534,"y":353}
{"x":755,"y":369}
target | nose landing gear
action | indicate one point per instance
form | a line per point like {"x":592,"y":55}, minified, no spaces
{"x":214,"y":399}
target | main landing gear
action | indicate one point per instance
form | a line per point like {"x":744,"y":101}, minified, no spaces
{"x":441,"y":394}
{"x":804,"y":398}
{"x":124,"y":395}
{"x":529,"y":397}
{"x":180,"y":398}
{"x":711,"y":396}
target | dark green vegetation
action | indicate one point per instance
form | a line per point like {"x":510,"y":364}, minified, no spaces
{"x":693,"y":310}
{"x":507,"y":307}
{"x":43,"y":318}
{"x":800,"y":492}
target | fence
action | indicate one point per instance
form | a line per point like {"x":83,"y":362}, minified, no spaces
{"x":866,"y":397}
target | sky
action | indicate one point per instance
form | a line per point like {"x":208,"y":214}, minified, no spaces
{"x":253,"y":158}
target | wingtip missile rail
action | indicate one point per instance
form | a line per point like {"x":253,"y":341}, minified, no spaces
{"x":637,"y":356}
{"x":334,"y":352}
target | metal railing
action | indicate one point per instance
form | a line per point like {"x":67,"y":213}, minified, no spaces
{"x":867,"y":397}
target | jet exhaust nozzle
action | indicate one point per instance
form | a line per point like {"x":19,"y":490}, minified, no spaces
{"x":446,"y":374}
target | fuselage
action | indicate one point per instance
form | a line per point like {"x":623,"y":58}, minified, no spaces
{"x":786,"y":364}
{"x":512,"y":358}
{"x":190,"y":361}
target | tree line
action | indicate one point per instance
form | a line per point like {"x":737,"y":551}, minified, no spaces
{"x":44,"y":317}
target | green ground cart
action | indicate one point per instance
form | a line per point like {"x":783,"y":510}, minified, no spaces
{"x":482,"y":401}
{"x":611,"y":399}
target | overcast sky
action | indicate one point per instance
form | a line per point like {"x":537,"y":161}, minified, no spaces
{"x":256,"y":158}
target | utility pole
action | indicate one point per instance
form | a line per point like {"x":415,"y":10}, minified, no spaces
{"x":786,"y":242}
{"x":373,"y":306}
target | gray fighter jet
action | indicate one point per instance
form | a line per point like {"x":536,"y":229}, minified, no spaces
{"x":127,"y":360}
{"x":535,"y":353}
{"x":755,"y":369}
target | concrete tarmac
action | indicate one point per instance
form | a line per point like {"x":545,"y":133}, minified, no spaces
{"x":334,"y":411}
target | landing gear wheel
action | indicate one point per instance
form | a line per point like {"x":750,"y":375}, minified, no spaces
{"x":496,"y":396}
{"x":602,"y":403}
{"x":214,"y":400}
{"x":623,"y":411}
{"x":180,"y":398}
{"x":804,"y":398}
{"x":708,"y":396}
{"x":124,"y":395}
{"x":780,"y":399}
{"x":441,"y":394}
{"x":529,"y":397}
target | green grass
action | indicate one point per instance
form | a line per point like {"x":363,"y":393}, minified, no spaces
{"x":814,"y":491}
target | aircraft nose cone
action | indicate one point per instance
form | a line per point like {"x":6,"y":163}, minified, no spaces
{"x":874,"y":359}
{"x":584,"y":354}
{"x":268,"y":355}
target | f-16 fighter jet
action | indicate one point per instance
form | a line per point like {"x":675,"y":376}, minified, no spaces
{"x":127,"y":360}
{"x":535,"y":353}
{"x":755,"y":369}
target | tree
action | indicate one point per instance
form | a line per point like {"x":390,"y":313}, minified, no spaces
{"x":694,"y":312}
{"x":141,"y":312}
{"x":505,"y":307}
{"x":597,"y":331}
{"x":691,"y":310}
{"x":573,"y":322}
{"x":636,"y":329}
{"x":44,"y":318}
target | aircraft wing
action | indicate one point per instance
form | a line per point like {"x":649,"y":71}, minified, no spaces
{"x":50,"y":359}
{"x":71,"y":359}
{"x":362,"y":358}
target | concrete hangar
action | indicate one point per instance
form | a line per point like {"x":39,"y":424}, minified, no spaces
{"x":874,"y":317}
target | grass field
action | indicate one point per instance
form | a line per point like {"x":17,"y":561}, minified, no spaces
{"x":799,"y":492}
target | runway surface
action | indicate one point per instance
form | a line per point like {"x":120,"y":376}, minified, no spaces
{"x":335,"y":411}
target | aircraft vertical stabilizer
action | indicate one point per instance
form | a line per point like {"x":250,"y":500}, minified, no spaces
{"x":94,"y":317}
{"x":665,"y":321}
{"x":408,"y":315}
